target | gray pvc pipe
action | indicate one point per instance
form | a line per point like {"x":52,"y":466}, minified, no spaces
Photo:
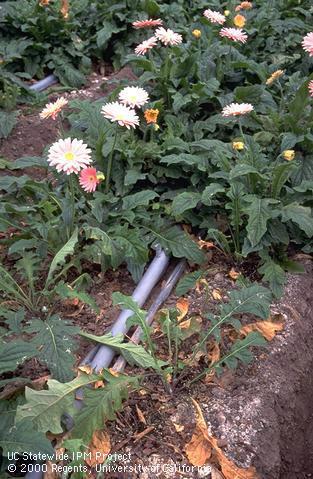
{"x":166,"y":290}
{"x":105,"y":354}
{"x":44,"y":83}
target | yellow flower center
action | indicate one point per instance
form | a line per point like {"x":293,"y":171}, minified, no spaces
{"x":69,"y":156}
{"x":133,"y":98}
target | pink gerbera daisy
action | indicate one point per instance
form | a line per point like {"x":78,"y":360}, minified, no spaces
{"x":146,"y":45}
{"x":89,"y":179}
{"x":133,"y":96}
{"x":168,"y":37}
{"x":214,"y":17}
{"x":307,"y":43}
{"x":236,"y":109}
{"x":124,"y":115}
{"x":235,"y":34}
{"x":147,"y":23}
{"x":53,"y":109}
{"x":310,"y":86}
{"x":69,"y":155}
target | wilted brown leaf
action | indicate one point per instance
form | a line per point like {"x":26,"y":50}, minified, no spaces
{"x":233,"y":274}
{"x":185,"y":324}
{"x":205,"y":244}
{"x":216,"y":294}
{"x":99,"y":447}
{"x":214,"y":353}
{"x":140,"y":415}
{"x":199,"y":283}
{"x":85,"y":368}
{"x":267,"y":328}
{"x":182,"y":305}
{"x":199,"y":449}
{"x":50,"y":473}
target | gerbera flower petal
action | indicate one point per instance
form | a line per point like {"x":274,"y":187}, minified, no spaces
{"x":122,"y":114}
{"x":133,"y":96}
{"x":151,"y":115}
{"x":168,"y":37}
{"x":244,"y":6}
{"x":214,"y":17}
{"x":235,"y":34}
{"x":307,"y":43}
{"x":237,"y":109}
{"x":53,"y":109}
{"x":69,"y":155}
{"x":310,"y":86}
{"x":146,"y":45}
{"x":147,"y":23}
{"x":88,"y":179}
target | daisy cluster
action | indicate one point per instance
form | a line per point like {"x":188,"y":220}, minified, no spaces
{"x":71,"y":156}
{"x":234,"y":34}
{"x":166,"y":36}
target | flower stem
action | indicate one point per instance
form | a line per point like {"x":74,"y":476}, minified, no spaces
{"x":72,"y":201}
{"x":109,"y":167}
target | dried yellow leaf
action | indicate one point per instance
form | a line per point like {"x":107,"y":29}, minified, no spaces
{"x":233,"y":274}
{"x":182,"y":305}
{"x":267,"y":328}
{"x":99,"y":448}
{"x":85,"y":368}
{"x":199,"y":449}
{"x":140,"y":415}
{"x":185,"y":324}
{"x":216,"y":294}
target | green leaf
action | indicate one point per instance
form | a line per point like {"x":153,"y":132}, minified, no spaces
{"x":8,"y":121}
{"x":56,"y":343}
{"x":15,"y":353}
{"x":29,"y":161}
{"x":45,"y":408}
{"x":281,"y":174}
{"x":133,"y":353}
{"x":179,"y":244}
{"x":210,"y":191}
{"x":22,"y":438}
{"x":66,"y":291}
{"x":105,"y":33}
{"x":240,"y":351}
{"x":101,"y":405}
{"x":188,"y":282}
{"x":301,"y":215}
{"x":185,"y":201}
{"x":248,"y":94}
{"x":274,"y":275}
{"x":253,"y":300}
{"x":60,"y":257}
{"x":187,"y":159}
{"x":242,"y":170}
{"x":98,"y":234}
{"x":142,"y":198}
{"x":259,"y":213}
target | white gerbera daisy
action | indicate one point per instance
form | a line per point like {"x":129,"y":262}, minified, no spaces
{"x":124,"y":115}
{"x":237,"y":109}
{"x":214,"y":17}
{"x":133,"y":96}
{"x":235,"y":34}
{"x":53,"y":109}
{"x":168,"y":37}
{"x":146,"y":45}
{"x":69,"y":155}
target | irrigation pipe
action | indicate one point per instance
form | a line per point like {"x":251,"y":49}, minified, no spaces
{"x":102,"y":357}
{"x":44,"y":83}
{"x":120,"y":363}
